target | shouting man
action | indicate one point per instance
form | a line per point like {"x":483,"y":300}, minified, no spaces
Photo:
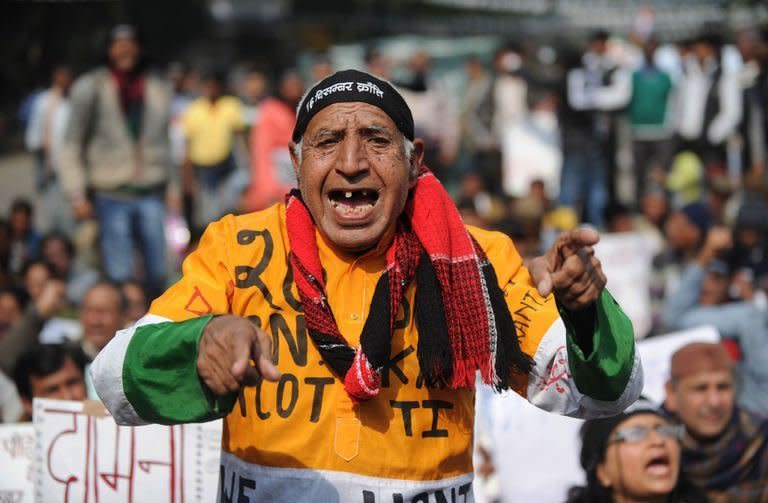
{"x":402,"y":305}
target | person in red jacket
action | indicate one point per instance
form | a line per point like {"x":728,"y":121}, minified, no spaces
{"x":272,"y":174}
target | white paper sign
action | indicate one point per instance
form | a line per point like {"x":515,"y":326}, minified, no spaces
{"x":529,"y":155}
{"x":17,"y":449}
{"x":626,"y":261}
{"x":81,"y":456}
{"x":536,"y":454}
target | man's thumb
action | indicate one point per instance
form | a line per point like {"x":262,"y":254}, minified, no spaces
{"x":541,"y":276}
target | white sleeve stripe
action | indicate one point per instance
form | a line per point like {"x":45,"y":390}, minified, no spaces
{"x":551,"y":386}
{"x":107,"y":373}
{"x":631,"y":393}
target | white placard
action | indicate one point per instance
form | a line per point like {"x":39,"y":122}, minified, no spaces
{"x":17,"y":449}
{"x":528,"y":155}
{"x":83,"y":456}
{"x":536,"y":454}
{"x":626,"y":261}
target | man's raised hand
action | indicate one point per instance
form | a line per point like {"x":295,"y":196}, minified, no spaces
{"x":570,"y":270}
{"x":227,"y":347}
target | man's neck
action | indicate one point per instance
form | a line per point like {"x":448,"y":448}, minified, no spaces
{"x":351,"y":255}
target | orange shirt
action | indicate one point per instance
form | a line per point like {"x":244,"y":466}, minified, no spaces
{"x":301,"y":438}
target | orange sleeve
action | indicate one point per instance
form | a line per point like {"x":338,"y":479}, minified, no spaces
{"x":207,"y":284}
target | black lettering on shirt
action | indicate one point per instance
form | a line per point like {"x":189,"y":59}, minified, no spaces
{"x":520,"y":312}
{"x":465,"y":489}
{"x":245,"y":484}
{"x":521,"y":327}
{"x":241,"y":403}
{"x":283,"y":411}
{"x":247,"y":276}
{"x":440,"y":497}
{"x":435,"y":405}
{"x":403,"y":322}
{"x":247,"y":236}
{"x":226,"y":484}
{"x":317,"y":397}
{"x":532,"y":298}
{"x":297,"y":346}
{"x":391,"y":365}
{"x":257,"y":402}
{"x":406,"y":408}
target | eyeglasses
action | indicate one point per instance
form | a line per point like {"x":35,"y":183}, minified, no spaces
{"x":639,"y":433}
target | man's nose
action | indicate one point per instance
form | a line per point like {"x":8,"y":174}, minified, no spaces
{"x":353,"y":160}
{"x":714,"y":398}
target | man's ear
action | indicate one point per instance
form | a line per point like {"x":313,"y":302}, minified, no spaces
{"x":294,"y":158}
{"x":670,"y":401}
{"x":416,"y":160}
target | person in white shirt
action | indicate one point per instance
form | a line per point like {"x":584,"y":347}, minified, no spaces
{"x":709,"y":101}
{"x":43,"y":138}
{"x":597,"y":88}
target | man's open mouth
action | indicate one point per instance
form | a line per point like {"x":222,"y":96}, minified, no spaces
{"x":353,"y":203}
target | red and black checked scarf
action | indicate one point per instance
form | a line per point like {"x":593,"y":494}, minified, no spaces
{"x":463,"y":321}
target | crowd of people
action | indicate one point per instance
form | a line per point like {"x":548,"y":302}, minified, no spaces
{"x":120,"y":149}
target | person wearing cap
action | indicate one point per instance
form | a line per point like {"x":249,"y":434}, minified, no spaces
{"x":340,"y":333}
{"x":704,"y":297}
{"x":116,"y":159}
{"x":725,"y":447}
{"x":631,"y":457}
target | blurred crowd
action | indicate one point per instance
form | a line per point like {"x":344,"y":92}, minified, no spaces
{"x":624,"y":134}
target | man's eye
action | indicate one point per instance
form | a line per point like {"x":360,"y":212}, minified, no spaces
{"x":327,"y":142}
{"x":380,"y":140}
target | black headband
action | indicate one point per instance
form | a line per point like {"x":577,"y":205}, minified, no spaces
{"x":353,"y":86}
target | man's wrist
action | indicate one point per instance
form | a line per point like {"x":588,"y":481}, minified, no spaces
{"x":581,"y":323}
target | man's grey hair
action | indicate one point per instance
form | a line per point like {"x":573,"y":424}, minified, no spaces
{"x":407,"y":149}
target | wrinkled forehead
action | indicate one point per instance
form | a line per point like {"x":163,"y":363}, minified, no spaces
{"x":350,"y":116}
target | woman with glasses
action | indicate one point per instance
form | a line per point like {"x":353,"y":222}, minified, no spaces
{"x":633,"y":457}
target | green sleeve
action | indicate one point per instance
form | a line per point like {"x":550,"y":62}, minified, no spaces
{"x":160,"y":377}
{"x":604,"y":373}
